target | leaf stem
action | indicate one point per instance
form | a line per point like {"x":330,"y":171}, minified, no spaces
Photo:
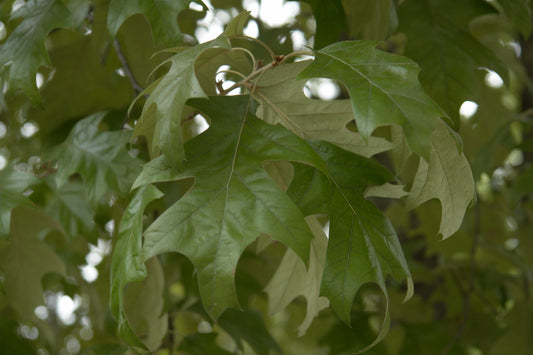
{"x":247,"y":79}
{"x":294,"y":54}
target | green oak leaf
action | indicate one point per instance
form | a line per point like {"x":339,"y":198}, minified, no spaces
{"x":10,"y":340}
{"x":12,"y":185}
{"x":281,"y":98}
{"x":25,"y":258}
{"x":249,"y":325}
{"x":371,"y":19}
{"x":518,"y":13}
{"x":99,"y":157}
{"x":384,"y":90}
{"x":330,"y":21}
{"x":24,"y":51}
{"x":439,"y":40}
{"x":236,"y":26}
{"x":70,"y":208}
{"x":363,"y":246}
{"x":93,"y":85}
{"x":126,"y":263}
{"x":447,"y":177}
{"x":162,"y":15}
{"x":292,"y":278}
{"x":160,"y":121}
{"x":201,"y":344}
{"x":143,"y":305}
{"x":232,"y":200}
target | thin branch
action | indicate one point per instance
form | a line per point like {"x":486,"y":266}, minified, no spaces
{"x":467,"y":293}
{"x":136,"y":87}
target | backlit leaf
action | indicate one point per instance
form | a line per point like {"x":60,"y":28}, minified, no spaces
{"x":282,"y":100}
{"x":233,"y":199}
{"x":292,"y":279}
{"x":383,"y":88}
{"x":447,"y":177}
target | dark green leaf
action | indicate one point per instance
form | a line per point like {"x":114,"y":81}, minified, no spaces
{"x":93,"y":84}
{"x":127,"y":264}
{"x":383,"y":88}
{"x":200,"y":344}
{"x":330,"y":21}
{"x":440,"y":41}
{"x":362,"y":246}
{"x":249,"y":326}
{"x":162,"y":14}
{"x":371,"y":19}
{"x":232,"y":200}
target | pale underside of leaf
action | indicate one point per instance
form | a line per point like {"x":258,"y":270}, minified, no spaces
{"x":383,"y":88}
{"x":447,"y":177}
{"x":292,"y":278}
{"x":282,"y":100}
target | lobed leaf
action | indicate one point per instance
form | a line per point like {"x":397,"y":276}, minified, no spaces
{"x":162,"y":15}
{"x":127,"y":264}
{"x":383,"y":88}
{"x":99,"y":157}
{"x":70,"y":208}
{"x":292,"y":279}
{"x":439,"y":40}
{"x":160,"y":121}
{"x":280,"y":94}
{"x":363,"y":246}
{"x":233,"y":199}
{"x":24,"y":51}
{"x":447,"y":177}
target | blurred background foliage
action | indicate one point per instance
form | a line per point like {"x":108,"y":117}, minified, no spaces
{"x":472,"y":290}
